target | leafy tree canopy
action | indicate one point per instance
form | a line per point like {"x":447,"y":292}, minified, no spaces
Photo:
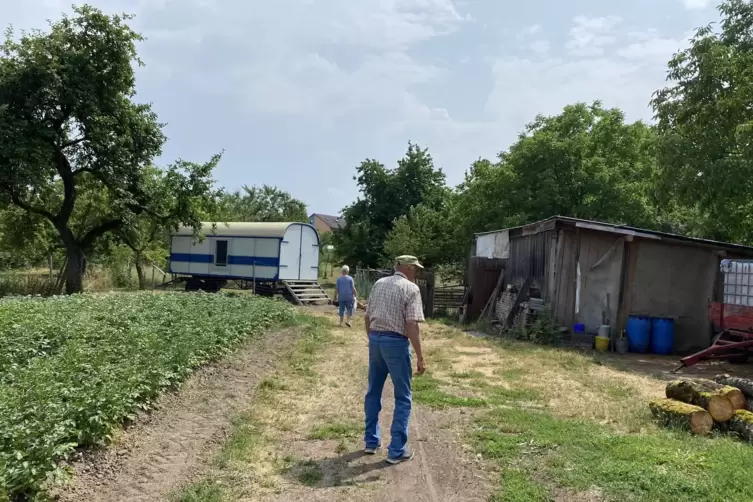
{"x":387,"y":194}
{"x":72,"y":136}
{"x":706,"y":125}
{"x":265,"y":203}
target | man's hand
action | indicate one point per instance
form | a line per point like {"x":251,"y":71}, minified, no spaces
{"x":420,"y":366}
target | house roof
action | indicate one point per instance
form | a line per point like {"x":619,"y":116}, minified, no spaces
{"x":331,"y":221}
{"x":550,"y":223}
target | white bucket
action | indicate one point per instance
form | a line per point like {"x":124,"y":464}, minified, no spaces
{"x":604,"y":331}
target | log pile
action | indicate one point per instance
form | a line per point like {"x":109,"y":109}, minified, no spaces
{"x":679,"y":414}
{"x":699,"y":404}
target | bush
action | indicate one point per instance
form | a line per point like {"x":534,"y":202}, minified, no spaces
{"x":74,"y":368}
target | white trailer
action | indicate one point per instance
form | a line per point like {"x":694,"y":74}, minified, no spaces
{"x":271,"y":256}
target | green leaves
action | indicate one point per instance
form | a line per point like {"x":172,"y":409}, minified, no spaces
{"x":74,"y":368}
{"x":386,"y":196}
{"x":706,"y":123}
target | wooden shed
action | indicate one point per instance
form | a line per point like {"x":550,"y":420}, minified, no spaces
{"x":589,"y":271}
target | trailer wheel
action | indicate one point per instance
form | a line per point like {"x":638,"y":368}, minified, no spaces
{"x":194,"y":284}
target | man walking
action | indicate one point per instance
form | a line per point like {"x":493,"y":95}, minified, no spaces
{"x":392,"y":317}
{"x":345,"y":295}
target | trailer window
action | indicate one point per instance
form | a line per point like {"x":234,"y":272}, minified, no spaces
{"x":220,"y":253}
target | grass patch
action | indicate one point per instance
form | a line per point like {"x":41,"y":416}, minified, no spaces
{"x":309,"y":473}
{"x":467,"y":375}
{"x":206,"y":491}
{"x":426,"y":390}
{"x":336,"y":430}
{"x":581,"y":454}
{"x":518,"y":486}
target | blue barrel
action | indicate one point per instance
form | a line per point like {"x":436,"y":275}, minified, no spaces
{"x":639,"y":333}
{"x":662,"y":335}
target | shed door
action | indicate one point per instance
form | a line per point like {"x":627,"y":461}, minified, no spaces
{"x":309,"y":254}
{"x":290,"y":253}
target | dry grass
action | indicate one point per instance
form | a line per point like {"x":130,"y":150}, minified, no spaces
{"x":572,"y":385}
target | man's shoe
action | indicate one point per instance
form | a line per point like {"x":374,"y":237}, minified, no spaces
{"x":402,"y":458}
{"x":371,"y":450}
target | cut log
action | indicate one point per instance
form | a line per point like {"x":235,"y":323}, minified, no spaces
{"x":742,"y":424}
{"x":734,"y":394}
{"x":697,"y":392}
{"x":744,"y":384}
{"x":679,"y":414}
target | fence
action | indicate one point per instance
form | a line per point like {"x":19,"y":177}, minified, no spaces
{"x":439,"y":301}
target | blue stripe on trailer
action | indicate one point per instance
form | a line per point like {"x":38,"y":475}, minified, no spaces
{"x":191,"y":257}
{"x":259,"y":261}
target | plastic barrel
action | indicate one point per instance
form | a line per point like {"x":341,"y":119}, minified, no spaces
{"x":638,"y":333}
{"x":579,"y":328}
{"x":662,"y":336}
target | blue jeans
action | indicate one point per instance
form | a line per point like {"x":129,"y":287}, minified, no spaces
{"x":389,"y":354}
{"x":344,"y":305}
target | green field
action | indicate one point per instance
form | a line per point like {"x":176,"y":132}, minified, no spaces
{"x":74,"y":368}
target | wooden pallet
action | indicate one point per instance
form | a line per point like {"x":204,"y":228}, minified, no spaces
{"x":306,"y":293}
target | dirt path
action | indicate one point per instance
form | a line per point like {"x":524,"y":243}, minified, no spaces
{"x":313,"y":429}
{"x":168,"y":448}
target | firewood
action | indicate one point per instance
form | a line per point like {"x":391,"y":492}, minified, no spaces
{"x":742,"y":424}
{"x":744,"y":384}
{"x":677,"y":413}
{"x":699,"y":393}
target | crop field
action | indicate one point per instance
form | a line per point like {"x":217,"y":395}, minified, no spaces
{"x":75,"y":368}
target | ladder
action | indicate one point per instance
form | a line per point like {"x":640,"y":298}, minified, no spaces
{"x":306,"y":292}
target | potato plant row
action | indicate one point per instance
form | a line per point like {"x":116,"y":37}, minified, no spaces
{"x":72,"y":369}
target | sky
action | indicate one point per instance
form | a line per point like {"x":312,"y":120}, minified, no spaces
{"x":298,"y":92}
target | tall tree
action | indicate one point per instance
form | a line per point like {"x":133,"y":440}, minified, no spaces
{"x":585,"y":162}
{"x":265,"y":203}
{"x":72,"y":134}
{"x":387,"y":194}
{"x":66,"y":113}
{"x":706,"y":121}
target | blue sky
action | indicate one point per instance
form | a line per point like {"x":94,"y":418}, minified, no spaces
{"x":299,"y":92}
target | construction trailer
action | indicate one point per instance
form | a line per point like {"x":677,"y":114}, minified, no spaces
{"x":266,"y":257}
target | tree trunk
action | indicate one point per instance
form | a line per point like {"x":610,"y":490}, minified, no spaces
{"x":140,"y":272}
{"x":742,"y":424}
{"x":677,"y":413}
{"x":744,"y":384}
{"x":74,"y":272}
{"x":702,"y":393}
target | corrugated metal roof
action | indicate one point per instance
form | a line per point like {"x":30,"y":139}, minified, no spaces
{"x":628,"y":230}
{"x":245,"y":229}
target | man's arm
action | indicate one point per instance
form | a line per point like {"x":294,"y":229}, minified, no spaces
{"x":414,"y":314}
{"x":367,"y":323}
{"x":414,"y":335}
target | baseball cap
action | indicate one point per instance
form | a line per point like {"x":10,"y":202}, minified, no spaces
{"x":407,"y":259}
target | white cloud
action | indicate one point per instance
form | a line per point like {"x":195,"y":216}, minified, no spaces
{"x":531,"y":30}
{"x":590,"y":36}
{"x":540,"y":46}
{"x":622,"y":74}
{"x":697,"y":4}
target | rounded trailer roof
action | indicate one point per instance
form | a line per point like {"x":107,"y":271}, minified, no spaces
{"x":241,"y":229}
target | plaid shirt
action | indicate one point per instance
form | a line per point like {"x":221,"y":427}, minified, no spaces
{"x":394,"y":301}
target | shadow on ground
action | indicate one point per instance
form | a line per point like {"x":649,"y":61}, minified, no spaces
{"x":348,"y":469}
